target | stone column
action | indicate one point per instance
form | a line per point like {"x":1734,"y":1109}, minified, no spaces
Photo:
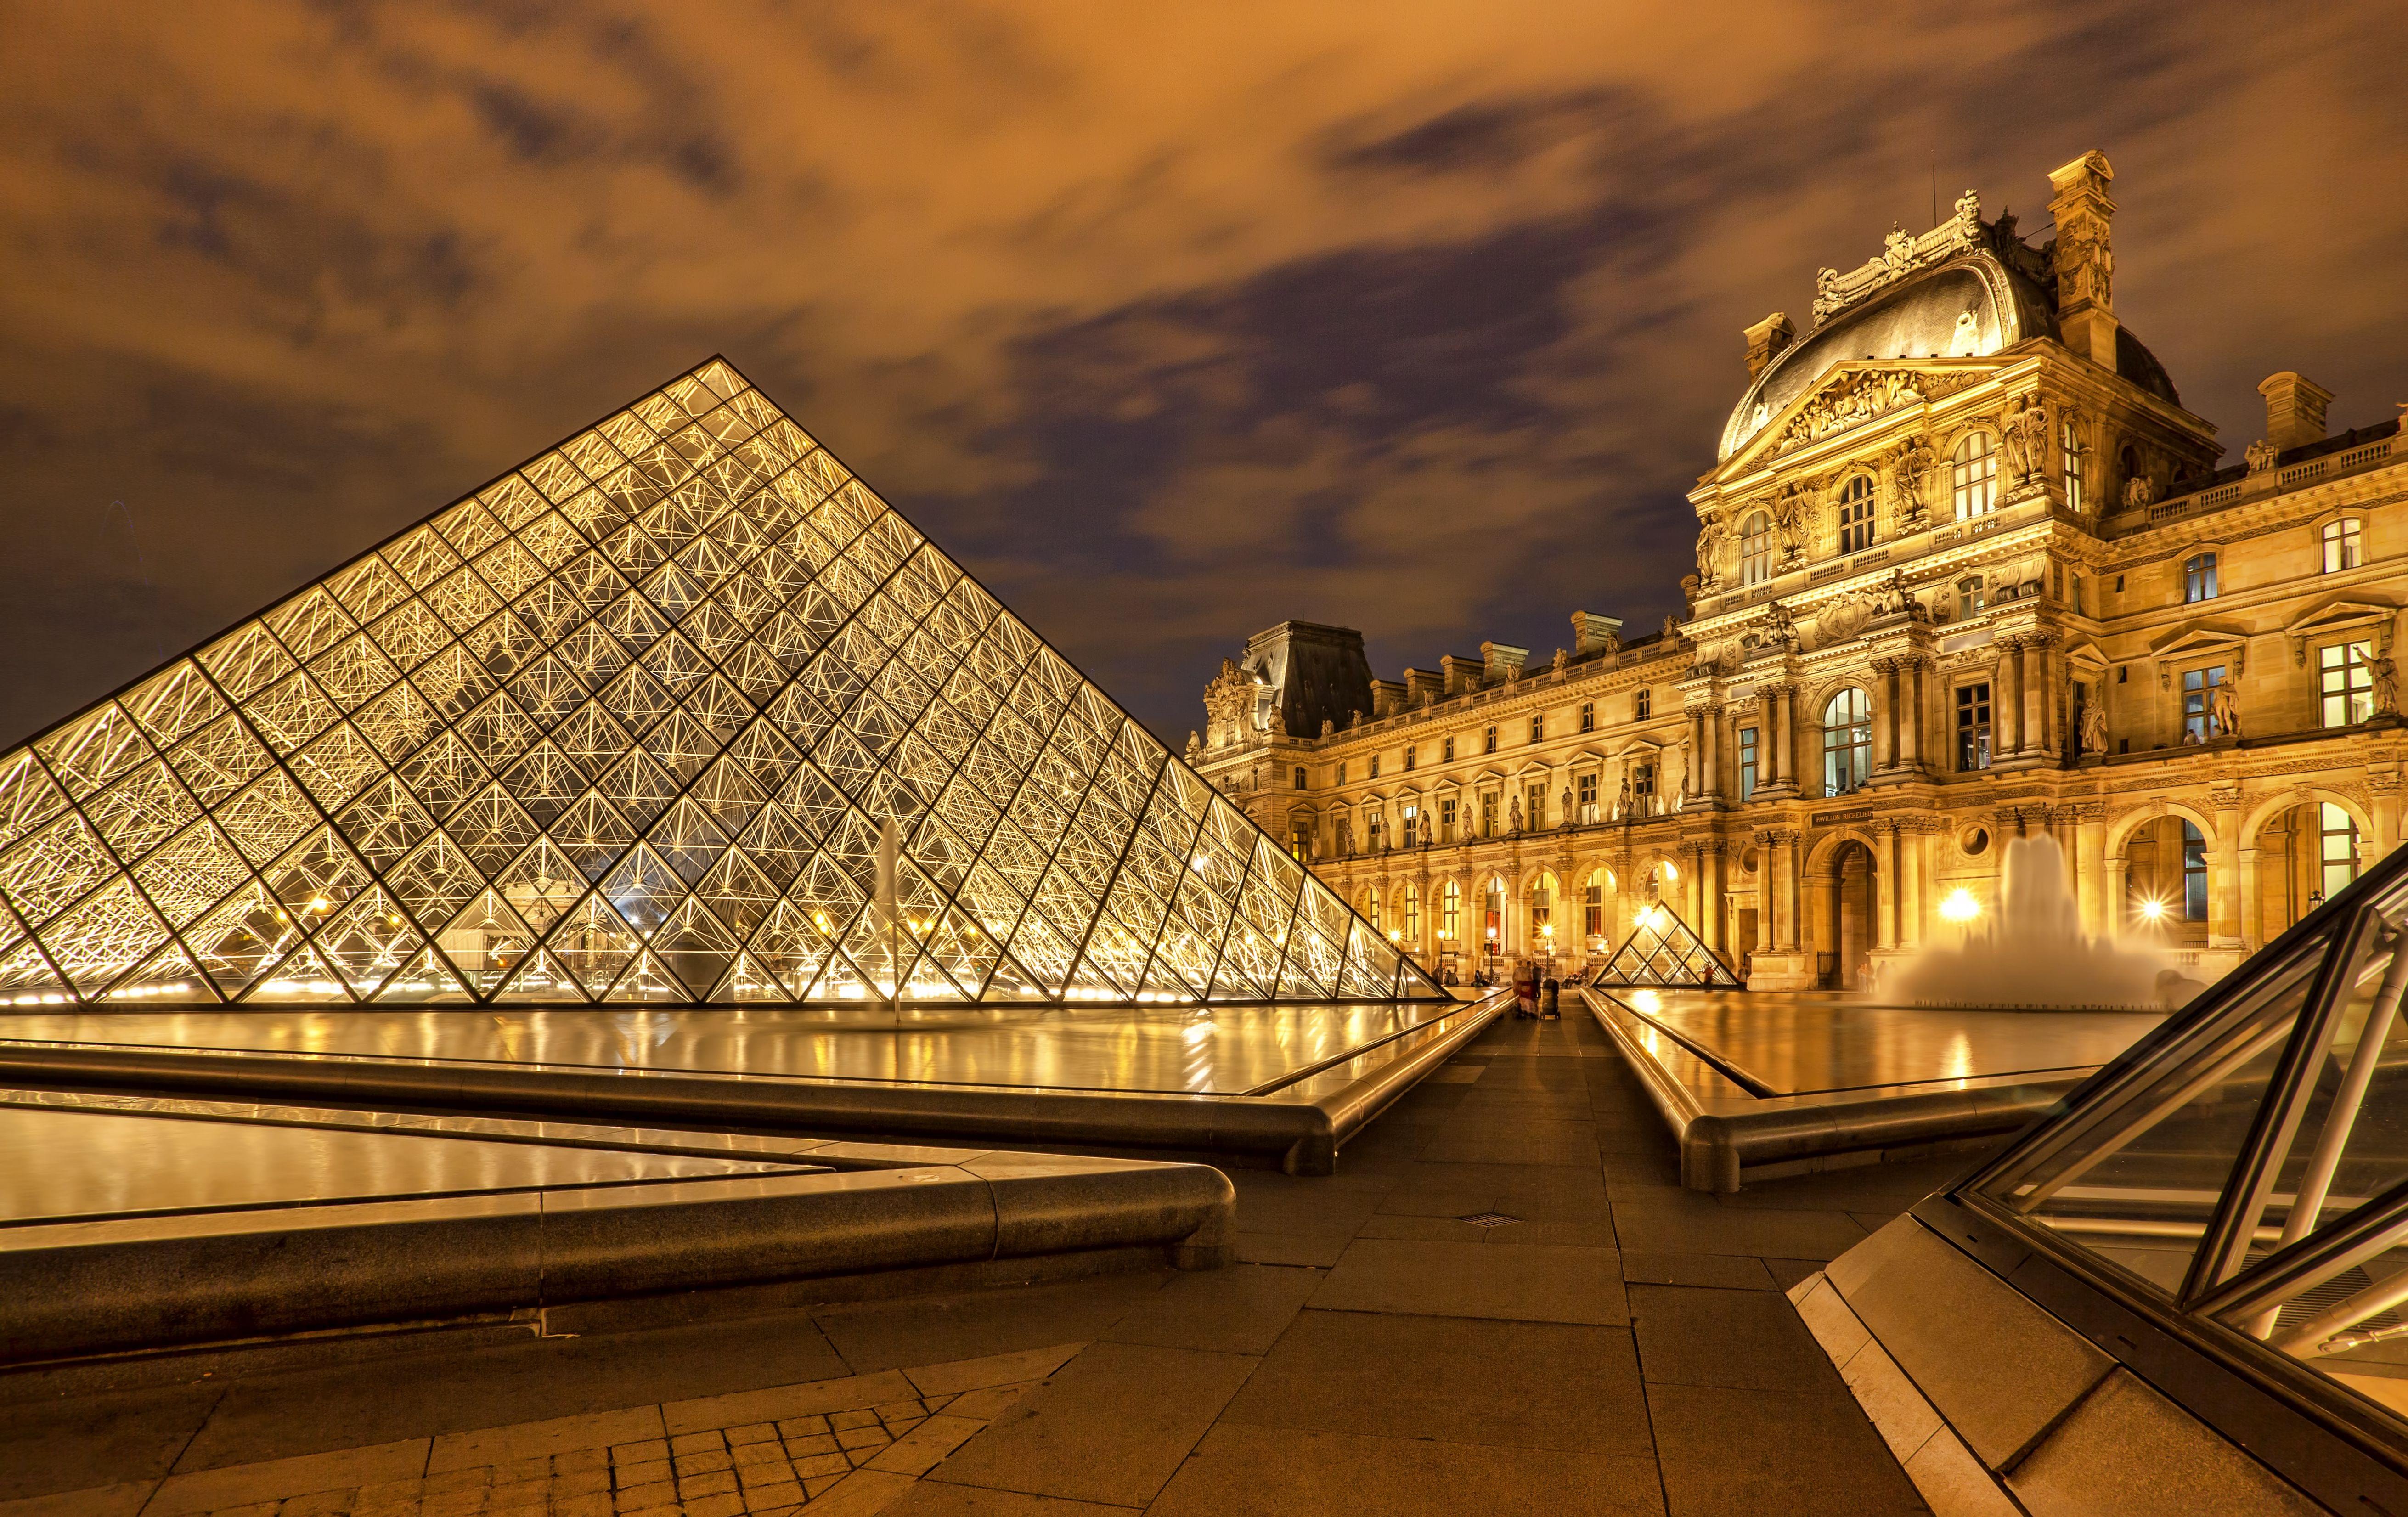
{"x":1885,"y":714}
{"x":1912,"y":886}
{"x":1783,"y":735}
{"x":1710,"y":767}
{"x":1909,"y":716}
{"x":2090,"y":866}
{"x":1717,"y":904}
{"x":2031,"y":687}
{"x":1781,"y":859}
{"x":2117,"y":889}
{"x":2224,"y":872}
{"x":1886,"y":886}
{"x":1766,"y":897}
{"x":2251,"y":927}
{"x":2006,"y":702}
{"x":2386,"y":788}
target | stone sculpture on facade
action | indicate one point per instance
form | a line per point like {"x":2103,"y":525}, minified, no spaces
{"x":1514,"y":814}
{"x":2094,"y":728}
{"x":2138,"y":491}
{"x":2385,"y":675}
{"x":2023,"y":443}
{"x":1909,"y":467}
{"x":2261,"y":455}
{"x":2226,"y":712}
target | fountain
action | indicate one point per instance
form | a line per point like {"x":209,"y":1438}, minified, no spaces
{"x":2035,"y":955}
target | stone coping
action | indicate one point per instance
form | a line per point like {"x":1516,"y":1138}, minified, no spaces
{"x":77,"y":1288}
{"x":1727,"y":1132}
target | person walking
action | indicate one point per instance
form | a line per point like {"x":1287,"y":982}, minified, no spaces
{"x":1525,"y":988}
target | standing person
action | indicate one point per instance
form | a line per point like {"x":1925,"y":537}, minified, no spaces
{"x":1525,"y":988}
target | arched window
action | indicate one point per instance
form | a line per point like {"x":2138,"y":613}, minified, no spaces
{"x":2077,"y":468}
{"x":1969,"y":598}
{"x":2341,"y":544}
{"x":1493,"y":908}
{"x":2194,"y":874}
{"x":1450,"y":912}
{"x":1542,"y":910}
{"x":1755,"y":548}
{"x":2337,"y":848}
{"x":1372,"y":909}
{"x":1974,"y":473}
{"x":1848,"y":741}
{"x":1593,"y":906}
{"x":1857,"y":515}
{"x":1413,"y":914}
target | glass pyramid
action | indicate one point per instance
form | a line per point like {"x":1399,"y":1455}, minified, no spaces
{"x":630,"y":724}
{"x":2245,"y":1167}
{"x":1662,"y":950}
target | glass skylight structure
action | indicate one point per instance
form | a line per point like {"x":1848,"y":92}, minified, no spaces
{"x":679,"y":711}
{"x":1662,"y":949}
{"x":2241,"y":1174}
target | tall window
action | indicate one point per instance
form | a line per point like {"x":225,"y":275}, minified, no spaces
{"x":1487,"y":813}
{"x":1490,"y":738}
{"x":1372,"y":909}
{"x":1450,"y":912}
{"x":1584,"y":788}
{"x":2199,"y":704}
{"x":2341,"y":544}
{"x":1969,"y":598}
{"x":2077,"y":468}
{"x":1446,"y":819}
{"x":1300,"y":777}
{"x":1642,"y":788}
{"x":1973,"y":727}
{"x":2199,"y":576}
{"x":1542,"y":910}
{"x":2336,"y":847}
{"x":1410,"y":754}
{"x":1539,"y":728}
{"x":1493,"y":909}
{"x":1848,"y":741}
{"x":1641,"y":701}
{"x":1412,"y":913}
{"x":1448,"y":752}
{"x":1973,"y":475}
{"x":1755,"y":548}
{"x":1592,"y":904}
{"x":1299,"y":838}
{"x":2344,"y":686}
{"x":1534,"y":805}
{"x":1412,"y":815}
{"x":1857,"y":515}
{"x":2194,"y":875}
{"x":1588,"y":716}
{"x":1747,"y":763}
{"x":1341,"y":774}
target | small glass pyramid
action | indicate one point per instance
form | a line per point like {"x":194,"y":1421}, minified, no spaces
{"x":628,"y":724}
{"x":1662,"y":950}
{"x":2243,"y":1170}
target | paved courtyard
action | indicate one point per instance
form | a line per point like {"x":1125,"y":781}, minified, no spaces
{"x":1502,"y":1304}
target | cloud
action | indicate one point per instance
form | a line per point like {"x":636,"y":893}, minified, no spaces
{"x":1172,"y":321}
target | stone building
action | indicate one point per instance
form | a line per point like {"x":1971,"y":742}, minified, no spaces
{"x":1967,"y":570}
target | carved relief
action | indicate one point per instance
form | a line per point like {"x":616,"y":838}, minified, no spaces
{"x":2261,"y":455}
{"x":1861,"y":395}
{"x":1909,"y":465}
{"x":2023,"y":442}
{"x":1901,"y":254}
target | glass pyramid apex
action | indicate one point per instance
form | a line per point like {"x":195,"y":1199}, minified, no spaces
{"x":1662,"y":950}
{"x":677,"y":711}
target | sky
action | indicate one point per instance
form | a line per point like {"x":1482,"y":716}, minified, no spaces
{"x":1170,"y":321}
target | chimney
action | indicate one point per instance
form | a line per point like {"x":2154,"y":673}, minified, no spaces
{"x":1595,"y":634}
{"x":1766,"y":340}
{"x":1419,"y":684}
{"x":1387,"y":697}
{"x":2295,"y":410}
{"x":2085,"y":266}
{"x":1462,"y":674}
{"x":1503,"y":661}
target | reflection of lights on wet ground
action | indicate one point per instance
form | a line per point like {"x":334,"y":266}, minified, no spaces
{"x":1647,"y":1001}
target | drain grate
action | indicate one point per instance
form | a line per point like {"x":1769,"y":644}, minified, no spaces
{"x":1489,"y":1218}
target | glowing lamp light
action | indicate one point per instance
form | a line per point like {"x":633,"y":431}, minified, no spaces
{"x":1671,"y":870}
{"x":1396,"y":935}
{"x":2152,"y":910}
{"x":1960,"y":905}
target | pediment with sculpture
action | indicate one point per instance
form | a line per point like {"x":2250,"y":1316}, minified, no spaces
{"x":1855,"y":394}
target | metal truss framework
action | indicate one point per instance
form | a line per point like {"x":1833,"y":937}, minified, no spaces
{"x":2245,"y":1167}
{"x":1662,"y":950}
{"x":628,"y":726}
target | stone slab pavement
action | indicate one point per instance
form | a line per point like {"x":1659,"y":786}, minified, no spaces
{"x":1502,"y":1303}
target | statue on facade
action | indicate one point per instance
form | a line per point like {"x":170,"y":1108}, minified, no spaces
{"x":2226,"y":711}
{"x":2385,"y":675}
{"x":1327,"y":726}
{"x":1568,"y":808}
{"x":2261,"y":455}
{"x":1671,"y":628}
{"x":2023,"y":441}
{"x":1789,"y":520}
{"x":1514,"y":814}
{"x":1426,"y":829}
{"x":1779,"y":627}
{"x":2094,"y":728}
{"x":1908,"y":468}
{"x":1563,"y":660}
{"x":2138,"y":491}
{"x":1710,"y":546}
{"x":1621,"y":802}
{"x":1194,"y":746}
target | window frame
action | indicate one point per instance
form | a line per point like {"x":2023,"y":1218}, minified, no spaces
{"x":1973,"y":476}
{"x":1856,"y":515}
{"x":1856,"y":728}
{"x":1750,"y":739}
{"x":2200,"y":577}
{"x":2076,"y":465}
{"x":2198,"y":701}
{"x":1755,"y":548}
{"x":2355,"y":689}
{"x":1974,"y":734}
{"x":1588,"y":716}
{"x":1643,"y":703}
{"x":2341,"y":545}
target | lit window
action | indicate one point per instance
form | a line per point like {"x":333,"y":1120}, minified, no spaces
{"x":2199,"y":576}
{"x":1592,"y":904}
{"x":1446,"y":819}
{"x":1857,"y":515}
{"x":2194,"y":874}
{"x":1755,"y":548}
{"x":1973,"y":474}
{"x":1300,"y":777}
{"x":1584,"y":788}
{"x":1588,"y":716}
{"x":1371,"y":908}
{"x":1746,"y":762}
{"x":1534,"y":809}
{"x":1542,"y":907}
{"x":1488,"y":813}
{"x":2337,"y":848}
{"x":1450,"y":912}
{"x":1969,"y":598}
{"x":2344,"y":685}
{"x":2077,"y":466}
{"x":1640,"y":702}
{"x":1973,"y":727}
{"x":2341,"y":544}
{"x":1412,"y":913}
{"x":1538,"y":729}
{"x":1848,"y":741}
{"x":1642,"y":786}
{"x":1493,"y":904}
{"x":2199,"y":704}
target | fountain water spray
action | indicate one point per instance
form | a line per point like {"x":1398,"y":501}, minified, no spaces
{"x":2033,"y":954}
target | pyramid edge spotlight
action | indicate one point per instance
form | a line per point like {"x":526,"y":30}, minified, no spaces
{"x":678,"y":710}
{"x":2055,"y":1371}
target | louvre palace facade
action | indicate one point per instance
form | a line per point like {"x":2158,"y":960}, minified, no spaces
{"x":1966,"y":570}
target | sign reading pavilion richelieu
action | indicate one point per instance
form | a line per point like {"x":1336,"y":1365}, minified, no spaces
{"x":627,"y":725}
